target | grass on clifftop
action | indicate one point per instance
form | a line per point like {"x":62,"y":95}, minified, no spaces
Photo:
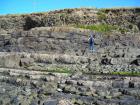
{"x":60,"y":70}
{"x":98,"y":27}
{"x":126,"y":73}
{"x":121,"y":73}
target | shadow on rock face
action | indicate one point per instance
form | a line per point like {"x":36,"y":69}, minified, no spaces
{"x":32,"y":22}
{"x":139,"y":25}
{"x":106,"y":61}
{"x":136,"y":62}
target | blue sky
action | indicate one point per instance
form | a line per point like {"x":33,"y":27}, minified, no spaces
{"x":29,"y":6}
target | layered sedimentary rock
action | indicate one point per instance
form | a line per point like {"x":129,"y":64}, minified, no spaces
{"x":68,"y":47}
{"x":45,"y":59}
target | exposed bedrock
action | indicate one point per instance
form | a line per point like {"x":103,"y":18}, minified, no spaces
{"x":68,"y":47}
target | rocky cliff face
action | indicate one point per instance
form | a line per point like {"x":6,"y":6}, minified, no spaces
{"x":115,"y":51}
{"x":122,"y":17}
{"x":68,"y":47}
{"x":46,"y":55}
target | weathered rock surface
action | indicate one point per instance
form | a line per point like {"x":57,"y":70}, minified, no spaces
{"x":68,"y":47}
{"x":85,"y":89}
{"x":127,"y":18}
{"x":45,"y":61}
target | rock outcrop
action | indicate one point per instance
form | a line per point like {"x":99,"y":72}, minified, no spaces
{"x":68,"y":47}
{"x":126,"y":18}
{"x":45,"y":58}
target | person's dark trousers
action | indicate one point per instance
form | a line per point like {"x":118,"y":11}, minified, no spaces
{"x":91,"y":47}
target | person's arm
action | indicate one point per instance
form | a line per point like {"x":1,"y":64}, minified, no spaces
{"x":88,"y":39}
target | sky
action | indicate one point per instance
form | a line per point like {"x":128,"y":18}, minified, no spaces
{"x":29,"y":6}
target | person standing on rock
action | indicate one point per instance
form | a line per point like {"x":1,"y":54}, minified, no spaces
{"x":91,"y":43}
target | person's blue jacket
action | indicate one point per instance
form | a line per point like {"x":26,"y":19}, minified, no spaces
{"x":91,"y":39}
{"x":91,"y":42}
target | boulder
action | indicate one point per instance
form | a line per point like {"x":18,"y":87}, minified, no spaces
{"x":51,"y":102}
{"x":9,"y":60}
{"x":26,"y":62}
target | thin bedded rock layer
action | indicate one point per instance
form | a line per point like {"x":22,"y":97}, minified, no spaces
{"x":68,"y":47}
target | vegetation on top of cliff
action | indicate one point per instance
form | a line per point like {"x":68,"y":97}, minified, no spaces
{"x":102,"y":20}
{"x":119,"y":73}
{"x":70,"y":10}
{"x":59,"y":70}
{"x":101,"y":15}
{"x":126,"y":73}
{"x":98,"y":27}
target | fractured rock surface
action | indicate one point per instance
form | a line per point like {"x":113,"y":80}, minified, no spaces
{"x":68,"y":47}
{"x":45,"y":61}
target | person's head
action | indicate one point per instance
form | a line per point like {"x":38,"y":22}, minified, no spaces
{"x":91,"y":35}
